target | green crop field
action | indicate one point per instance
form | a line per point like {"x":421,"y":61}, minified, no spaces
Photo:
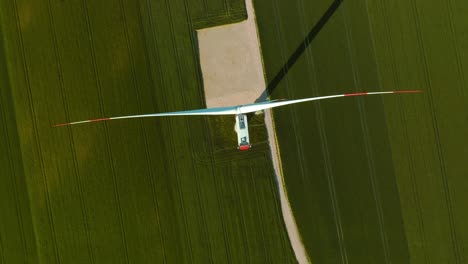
{"x":142,"y":191}
{"x":377,"y":179}
{"x":17,"y":237}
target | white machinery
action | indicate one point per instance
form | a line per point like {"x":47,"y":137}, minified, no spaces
{"x":242,"y":129}
{"x":240,"y":112}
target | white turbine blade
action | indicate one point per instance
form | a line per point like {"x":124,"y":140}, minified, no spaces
{"x":270,"y":104}
{"x":233,"y":110}
{"x":230,"y":110}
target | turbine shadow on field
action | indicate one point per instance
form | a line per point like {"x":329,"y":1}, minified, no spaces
{"x":273,"y":84}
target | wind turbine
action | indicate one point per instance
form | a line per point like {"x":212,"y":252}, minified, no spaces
{"x":239,"y":111}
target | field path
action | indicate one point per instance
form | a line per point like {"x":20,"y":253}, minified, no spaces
{"x":232,"y":69}
{"x":288,"y":216}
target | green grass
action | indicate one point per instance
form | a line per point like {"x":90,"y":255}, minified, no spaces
{"x":427,"y":133}
{"x":17,"y":239}
{"x":376,"y":179}
{"x":210,"y":13}
{"x":139,"y":191}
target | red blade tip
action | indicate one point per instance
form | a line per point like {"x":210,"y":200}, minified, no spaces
{"x":99,"y":119}
{"x":59,"y":125}
{"x":355,"y":94}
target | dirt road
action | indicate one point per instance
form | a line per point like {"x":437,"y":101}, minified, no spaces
{"x":232,"y":71}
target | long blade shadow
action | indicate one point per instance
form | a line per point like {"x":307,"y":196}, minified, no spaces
{"x":299,"y":51}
